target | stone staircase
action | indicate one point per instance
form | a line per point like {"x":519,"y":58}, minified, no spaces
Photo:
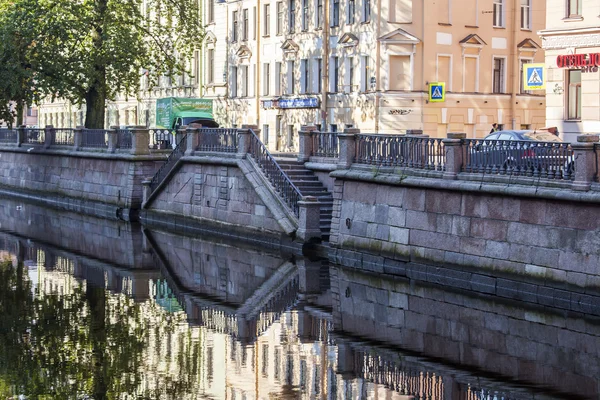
{"x":309,"y":185}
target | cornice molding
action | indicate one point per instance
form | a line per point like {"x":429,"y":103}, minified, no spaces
{"x":567,"y":41}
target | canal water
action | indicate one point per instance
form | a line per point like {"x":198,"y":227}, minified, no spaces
{"x":98,"y":309}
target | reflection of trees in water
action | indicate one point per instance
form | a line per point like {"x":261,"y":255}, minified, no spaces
{"x":87,"y":343}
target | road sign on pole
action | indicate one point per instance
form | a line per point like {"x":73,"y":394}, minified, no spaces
{"x":437,"y":92}
{"x":534,"y":77}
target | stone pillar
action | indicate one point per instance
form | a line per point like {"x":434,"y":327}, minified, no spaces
{"x":140,"y":139}
{"x":21,"y":135}
{"x":244,"y":138}
{"x":454,"y":149}
{"x":306,"y":135}
{"x":49,"y":134}
{"x":584,"y":161}
{"x":113,"y":140}
{"x":309,"y":220}
{"x":78,"y":137}
{"x":347,"y":142}
{"x":193,"y":139}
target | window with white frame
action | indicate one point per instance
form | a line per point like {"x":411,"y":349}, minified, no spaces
{"x":266,"y":79}
{"x":334,"y":74}
{"x":522,"y":63}
{"x":290,"y":87}
{"x":245,"y":24}
{"x":234,"y":78}
{"x":574,"y":8}
{"x":244,"y":78}
{"x":265,"y":133}
{"x":350,"y":75}
{"x":279,"y":27}
{"x":351,"y":11}
{"x":304,"y":15}
{"x":319,"y":75}
{"x":335,"y":13}
{"x":498,"y":13}
{"x":304,"y":76}
{"x":364,"y":73}
{"x":278,"y":79}
{"x":211,"y":11}
{"x":574,"y":95}
{"x":267,"y":20}
{"x":366,"y":11}
{"x":211,"y":66}
{"x":319,"y":14}
{"x":498,"y":75}
{"x":526,"y":14}
{"x":234,"y":33}
{"x":291,"y":16}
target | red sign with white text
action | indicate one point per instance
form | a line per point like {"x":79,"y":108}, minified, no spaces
{"x":578,"y":60}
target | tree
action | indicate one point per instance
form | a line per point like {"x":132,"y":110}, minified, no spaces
{"x":88,"y":51}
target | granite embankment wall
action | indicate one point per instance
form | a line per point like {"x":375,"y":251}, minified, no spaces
{"x":533,"y":345}
{"x":547,"y":234}
{"x":96,"y":183}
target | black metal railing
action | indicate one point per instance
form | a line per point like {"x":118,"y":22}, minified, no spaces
{"x":94,"y":138}
{"x":325,"y":144}
{"x":8,"y":135}
{"x":124,"y":139}
{"x":400,"y":151}
{"x":288,"y":192}
{"x":166,"y":168}
{"x":63,"y":137}
{"x":162,"y":138}
{"x":218,"y":139}
{"x":596,"y":151}
{"x":35,"y":135}
{"x":549,"y":160}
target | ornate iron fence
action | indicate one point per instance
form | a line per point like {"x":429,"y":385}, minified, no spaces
{"x":549,"y":160}
{"x":218,"y":139}
{"x":63,"y":137}
{"x":400,"y":151}
{"x":95,"y":138}
{"x":35,"y":135}
{"x":325,"y":144}
{"x":124,"y":139}
{"x":280,"y":181}
{"x":8,"y":135}
{"x":162,"y":137}
{"x":166,"y":168}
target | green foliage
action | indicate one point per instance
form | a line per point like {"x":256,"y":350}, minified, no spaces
{"x":88,"y":51}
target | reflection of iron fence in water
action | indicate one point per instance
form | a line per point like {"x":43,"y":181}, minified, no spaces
{"x":8,"y":135}
{"x":423,"y":385}
{"x":277,"y":305}
{"x":547,"y":160}
{"x":218,"y":140}
{"x":63,"y":137}
{"x":94,"y":138}
{"x":325,"y":144}
{"x":400,"y":151}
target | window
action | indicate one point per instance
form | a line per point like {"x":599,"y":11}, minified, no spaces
{"x":498,"y":76}
{"x":245,"y":24}
{"x":235,"y":27}
{"x":244,"y":78}
{"x":292,"y":16}
{"x":196,"y":66}
{"x":305,"y":79}
{"x":574,"y":95}
{"x":335,"y":20}
{"x":335,"y":77}
{"x":319,"y":16}
{"x":279,"y":28}
{"x":267,"y":26}
{"x":351,"y":74}
{"x":290,"y":77}
{"x":366,"y":11}
{"x":211,"y":11}
{"x":364,"y":79}
{"x":525,"y":14}
{"x":266,"y":79}
{"x":278,"y":79}
{"x":32,"y":112}
{"x":351,"y":11}
{"x":265,"y":347}
{"x":319,"y":75}
{"x":254,"y":27}
{"x":211,"y":66}
{"x":234,"y":81}
{"x":498,"y":13}
{"x":304,"y":15}
{"x":291,"y":134}
{"x":574,"y":8}
{"x":522,"y":62}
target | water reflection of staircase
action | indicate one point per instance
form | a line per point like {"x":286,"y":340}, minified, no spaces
{"x":309,"y":185}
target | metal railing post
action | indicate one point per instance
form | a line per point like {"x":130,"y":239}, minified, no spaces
{"x":453,"y":146}
{"x":306,"y":142}
{"x":584,"y":160}
{"x":347,"y":147}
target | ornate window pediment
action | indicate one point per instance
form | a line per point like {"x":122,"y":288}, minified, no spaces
{"x":348,"y":40}
{"x":472,"y":41}
{"x":210,"y":39}
{"x":399,"y":36}
{"x":528,"y":45}
{"x":243,"y":52}
{"x":289,"y":46}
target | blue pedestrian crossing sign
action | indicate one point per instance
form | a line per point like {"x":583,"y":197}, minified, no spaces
{"x":534,"y":77}
{"x":437,"y":92}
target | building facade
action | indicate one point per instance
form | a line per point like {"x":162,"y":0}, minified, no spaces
{"x":571,"y":41}
{"x":281,"y":64}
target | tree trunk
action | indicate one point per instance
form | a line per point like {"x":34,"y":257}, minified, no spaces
{"x":95,"y":100}
{"x":20,"y":108}
{"x":95,"y":97}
